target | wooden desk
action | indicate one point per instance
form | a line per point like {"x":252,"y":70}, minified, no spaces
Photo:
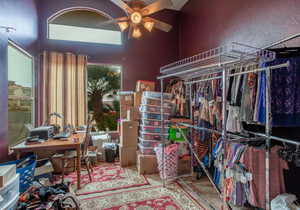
{"x":52,"y":144}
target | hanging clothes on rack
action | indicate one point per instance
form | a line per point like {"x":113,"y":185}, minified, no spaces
{"x":237,"y":179}
{"x":262,"y":98}
{"x":217,"y":157}
{"x":253,"y":160}
{"x":234,"y":99}
{"x":178,"y":92}
{"x":249,"y":89}
{"x":245,"y":173}
{"x":285,"y":91}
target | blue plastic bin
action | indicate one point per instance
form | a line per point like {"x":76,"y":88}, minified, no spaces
{"x":26,"y":173}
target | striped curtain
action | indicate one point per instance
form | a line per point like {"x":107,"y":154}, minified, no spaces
{"x":62,"y":88}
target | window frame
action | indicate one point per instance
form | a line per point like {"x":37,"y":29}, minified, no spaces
{"x":84,"y":30}
{"x":33,"y":93}
{"x":69,"y":9}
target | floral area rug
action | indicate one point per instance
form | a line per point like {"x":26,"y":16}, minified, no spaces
{"x":204,"y":192}
{"x":172,"y":197}
{"x":107,"y":177}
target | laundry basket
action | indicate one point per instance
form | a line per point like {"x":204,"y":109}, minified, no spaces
{"x":26,"y":172}
{"x":167,"y":166}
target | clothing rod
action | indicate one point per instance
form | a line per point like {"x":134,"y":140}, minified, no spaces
{"x":200,"y":128}
{"x":262,"y":69}
{"x":283,"y":40}
{"x":198,"y":160}
{"x":199,"y":74}
{"x":210,"y":130}
{"x":275,"y":138}
{"x":202,"y":80}
{"x":235,"y":135}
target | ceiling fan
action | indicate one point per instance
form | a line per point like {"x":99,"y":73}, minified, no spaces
{"x":138,"y":16}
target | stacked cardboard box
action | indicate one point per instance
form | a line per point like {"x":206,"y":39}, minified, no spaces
{"x":184,"y":166}
{"x":128,"y":142}
{"x":143,"y":85}
{"x":126,"y":103}
{"x":146,"y":164}
{"x":128,"y":128}
{"x":129,"y":102}
{"x":137,"y":99}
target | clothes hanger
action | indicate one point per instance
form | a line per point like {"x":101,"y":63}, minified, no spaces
{"x":247,"y":140}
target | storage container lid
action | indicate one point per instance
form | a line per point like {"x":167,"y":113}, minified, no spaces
{"x":10,"y":182}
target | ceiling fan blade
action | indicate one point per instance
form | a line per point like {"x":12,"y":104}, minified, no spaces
{"x":156,"y":6}
{"x":112,"y":21}
{"x":130,"y":31}
{"x":123,"y":6}
{"x":159,"y":24}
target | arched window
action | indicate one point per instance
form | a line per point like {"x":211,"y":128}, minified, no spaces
{"x":83,"y":25}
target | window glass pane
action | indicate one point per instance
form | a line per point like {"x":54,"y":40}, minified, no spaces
{"x":20,"y":101}
{"x":82,"y":34}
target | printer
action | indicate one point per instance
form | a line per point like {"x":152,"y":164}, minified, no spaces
{"x":42,"y":132}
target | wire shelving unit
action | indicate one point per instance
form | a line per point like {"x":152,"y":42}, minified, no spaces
{"x":216,"y":64}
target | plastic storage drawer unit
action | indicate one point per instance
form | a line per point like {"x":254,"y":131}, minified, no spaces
{"x":146,"y":150}
{"x":154,"y":129}
{"x":145,"y":122}
{"x":9,"y":191}
{"x":149,"y":143}
{"x":11,"y":204}
{"x":157,"y":95}
{"x":152,"y":136}
{"x":155,"y":102}
{"x":157,"y":109}
{"x":153,"y":116}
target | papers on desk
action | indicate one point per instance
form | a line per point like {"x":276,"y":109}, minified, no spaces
{"x":32,"y":140}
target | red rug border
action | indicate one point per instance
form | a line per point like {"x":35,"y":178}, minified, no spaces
{"x":179,"y":185}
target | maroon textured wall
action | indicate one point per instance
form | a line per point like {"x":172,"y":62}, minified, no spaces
{"x":207,"y":24}
{"x":3,"y":98}
{"x":22,"y":15}
{"x":140,"y":59}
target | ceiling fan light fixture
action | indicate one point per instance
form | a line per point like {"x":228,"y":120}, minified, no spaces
{"x":123,"y":26}
{"x":136,"y":17}
{"x":136,"y":33}
{"x":149,"y":25}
